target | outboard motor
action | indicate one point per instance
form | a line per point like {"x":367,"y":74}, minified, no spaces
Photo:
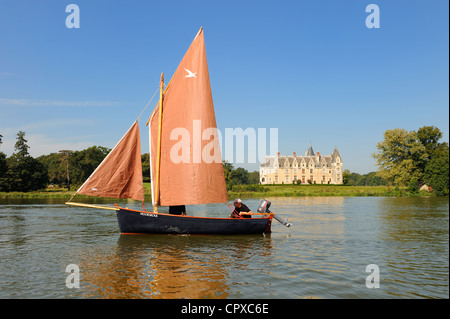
{"x":263,"y":208}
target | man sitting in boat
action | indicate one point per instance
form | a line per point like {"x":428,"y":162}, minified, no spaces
{"x":240,"y":209}
{"x":177,"y":210}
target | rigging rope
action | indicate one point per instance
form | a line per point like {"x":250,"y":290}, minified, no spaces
{"x":147,"y":104}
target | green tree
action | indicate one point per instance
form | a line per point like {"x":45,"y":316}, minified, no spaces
{"x":58,"y":167}
{"x":413,"y":186}
{"x":227,"y":169}
{"x":345,"y":176}
{"x":83,"y":163}
{"x":21,"y":145}
{"x":24,"y":173}
{"x":52,"y":163}
{"x":253,"y":177}
{"x":401,"y":156}
{"x":145,"y":158}
{"x":369,"y":179}
{"x":372,"y":179}
{"x":436,"y":172}
{"x":354,"y":179}
{"x":414,"y":158}
{"x":239,"y":176}
{"x":429,"y":136}
{"x":64,"y":165}
{"x":3,"y":170}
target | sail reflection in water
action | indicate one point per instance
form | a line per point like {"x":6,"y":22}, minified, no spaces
{"x":158,"y":266}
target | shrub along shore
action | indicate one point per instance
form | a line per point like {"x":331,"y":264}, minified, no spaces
{"x":251,"y":191}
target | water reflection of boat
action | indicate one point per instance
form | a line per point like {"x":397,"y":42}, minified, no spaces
{"x":185,"y":109}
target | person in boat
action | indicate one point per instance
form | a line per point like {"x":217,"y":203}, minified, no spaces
{"x":240,"y":209}
{"x":177,"y":210}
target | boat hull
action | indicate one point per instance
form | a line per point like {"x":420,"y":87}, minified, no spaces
{"x":139,"y":222}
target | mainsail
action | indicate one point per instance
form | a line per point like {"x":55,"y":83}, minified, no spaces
{"x":191,"y":170}
{"x":120,"y":173}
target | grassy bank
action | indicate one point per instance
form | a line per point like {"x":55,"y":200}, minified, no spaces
{"x":316,"y":190}
{"x":257,"y":191}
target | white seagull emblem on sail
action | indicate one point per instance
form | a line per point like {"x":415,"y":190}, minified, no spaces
{"x":190,"y":74}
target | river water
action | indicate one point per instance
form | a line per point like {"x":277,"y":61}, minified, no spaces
{"x":325,"y":254}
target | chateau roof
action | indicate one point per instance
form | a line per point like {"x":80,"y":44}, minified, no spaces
{"x":270,"y":161}
{"x":335,"y":154}
{"x":310,"y":151}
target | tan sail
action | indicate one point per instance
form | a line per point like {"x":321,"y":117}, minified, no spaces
{"x":120,"y":173}
{"x":191,"y":170}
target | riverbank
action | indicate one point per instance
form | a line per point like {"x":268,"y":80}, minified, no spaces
{"x":252,"y":191}
{"x":318,"y":190}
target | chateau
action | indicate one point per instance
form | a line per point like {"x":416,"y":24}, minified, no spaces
{"x":311,"y":167}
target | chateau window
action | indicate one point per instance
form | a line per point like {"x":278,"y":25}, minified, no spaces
{"x":286,"y":178}
{"x":295,"y":177}
{"x":276,"y":178}
{"x":310,"y":171}
{"x":286,"y":170}
{"x":329,"y":171}
{"x":303,"y":171}
{"x":295,"y":171}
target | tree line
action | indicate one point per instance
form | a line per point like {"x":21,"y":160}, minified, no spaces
{"x":22,"y":173}
{"x":404,"y":158}
{"x":369,"y":179}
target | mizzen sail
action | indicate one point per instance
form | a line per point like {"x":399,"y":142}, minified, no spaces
{"x":120,"y":173}
{"x":191,"y":170}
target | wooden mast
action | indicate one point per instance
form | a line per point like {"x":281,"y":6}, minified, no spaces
{"x":158,"y":156}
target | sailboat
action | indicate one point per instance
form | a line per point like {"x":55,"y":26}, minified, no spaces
{"x":185,"y":159}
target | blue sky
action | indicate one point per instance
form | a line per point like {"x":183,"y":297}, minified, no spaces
{"x":312,"y":69}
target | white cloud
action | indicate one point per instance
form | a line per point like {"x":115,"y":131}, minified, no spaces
{"x":33,"y":102}
{"x":41,"y":144}
{"x":44,"y":143}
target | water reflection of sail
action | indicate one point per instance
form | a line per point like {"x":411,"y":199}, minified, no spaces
{"x":171,"y":267}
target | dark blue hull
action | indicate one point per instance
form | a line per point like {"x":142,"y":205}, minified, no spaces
{"x":139,"y":222}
